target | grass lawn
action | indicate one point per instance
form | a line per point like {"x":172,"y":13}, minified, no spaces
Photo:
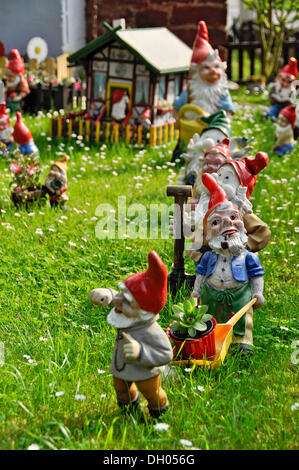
{"x":55,"y":386}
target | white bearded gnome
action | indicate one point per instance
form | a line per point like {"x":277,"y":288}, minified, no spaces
{"x":5,"y":127}
{"x":141,"y":346}
{"x":120,"y":102}
{"x":17,"y":87}
{"x":237,"y":178}
{"x":207,"y":86}
{"x":283,"y":91}
{"x":228,"y":276}
{"x":56,"y":183}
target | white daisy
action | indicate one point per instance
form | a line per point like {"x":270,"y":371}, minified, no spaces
{"x":37,"y":48}
{"x":161,"y":426}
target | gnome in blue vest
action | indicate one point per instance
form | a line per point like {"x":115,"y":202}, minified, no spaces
{"x":228,"y":275}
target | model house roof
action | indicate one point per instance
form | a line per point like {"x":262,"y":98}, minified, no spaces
{"x":158,"y":48}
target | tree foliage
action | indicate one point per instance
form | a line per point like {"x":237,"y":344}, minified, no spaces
{"x":275,"y":19}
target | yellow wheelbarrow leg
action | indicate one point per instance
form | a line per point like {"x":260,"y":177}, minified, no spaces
{"x":223,"y":339}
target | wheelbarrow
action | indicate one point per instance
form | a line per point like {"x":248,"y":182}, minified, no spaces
{"x":223,"y":339}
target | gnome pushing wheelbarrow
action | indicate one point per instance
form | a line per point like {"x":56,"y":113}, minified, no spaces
{"x":141,"y":346}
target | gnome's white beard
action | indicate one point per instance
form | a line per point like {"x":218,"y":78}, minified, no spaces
{"x":282,"y":130}
{"x":13,"y":82}
{"x":207,"y":95}
{"x":6,"y":133}
{"x":119,"y":320}
{"x":236,"y":244}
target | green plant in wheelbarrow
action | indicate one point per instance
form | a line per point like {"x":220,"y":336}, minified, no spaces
{"x":192,"y":330}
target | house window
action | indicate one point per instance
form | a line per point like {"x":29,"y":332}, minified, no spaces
{"x":142,"y":89}
{"x":162,"y":88}
{"x":177,"y":84}
{"x":99,"y":85}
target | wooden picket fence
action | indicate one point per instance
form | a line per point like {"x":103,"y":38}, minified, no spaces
{"x":108,"y":132}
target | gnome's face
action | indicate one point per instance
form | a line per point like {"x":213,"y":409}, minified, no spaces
{"x":56,"y":179}
{"x":211,"y":137}
{"x":126,"y":311}
{"x":225,"y":232}
{"x":210,"y":70}
{"x":284,"y":80}
{"x":12,"y":78}
{"x":228,"y":180}
{"x":212,"y":161}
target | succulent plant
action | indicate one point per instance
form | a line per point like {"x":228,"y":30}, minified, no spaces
{"x":190,"y":318}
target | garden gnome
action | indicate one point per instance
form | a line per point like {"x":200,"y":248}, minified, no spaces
{"x":284,"y":134}
{"x":5,"y":127}
{"x":207,"y":85}
{"x":120,"y":102}
{"x":283,"y":91}
{"x":237,"y":178}
{"x":56,"y":183}
{"x":218,"y":128}
{"x":228,"y":276}
{"x":141,"y":346}
{"x":23,"y":137}
{"x":16,"y":84}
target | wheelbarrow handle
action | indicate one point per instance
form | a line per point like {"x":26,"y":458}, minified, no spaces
{"x":233,"y":320}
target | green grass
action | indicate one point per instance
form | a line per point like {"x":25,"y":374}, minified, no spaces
{"x":45,"y":312}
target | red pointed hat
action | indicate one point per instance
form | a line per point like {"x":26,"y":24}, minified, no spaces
{"x":149,"y":288}
{"x":201,"y":46}
{"x":222,"y":147}
{"x":21,"y":133}
{"x":247,"y":168}
{"x":16,"y":64}
{"x":118,"y":94}
{"x":291,"y":69}
{"x":217,"y":195}
{"x":4,"y":118}
{"x":290,"y":113}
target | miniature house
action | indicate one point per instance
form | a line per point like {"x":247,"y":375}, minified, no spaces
{"x":132,"y":73}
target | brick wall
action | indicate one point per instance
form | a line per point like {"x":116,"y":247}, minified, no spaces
{"x":179,"y":16}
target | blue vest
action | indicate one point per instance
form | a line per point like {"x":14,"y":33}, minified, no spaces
{"x":245,"y":265}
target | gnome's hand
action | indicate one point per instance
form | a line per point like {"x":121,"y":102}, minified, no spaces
{"x":245,"y":205}
{"x":101,"y":296}
{"x":260,"y":300}
{"x":131,"y":347}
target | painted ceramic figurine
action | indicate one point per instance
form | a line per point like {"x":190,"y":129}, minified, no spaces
{"x":284,"y":134}
{"x":207,"y":86}
{"x":283,"y":92}
{"x":228,"y":276}
{"x":56,"y":183}
{"x":5,"y":128}
{"x":23,"y":137}
{"x":141,"y":346}
{"x":237,"y":178}
{"x":16,"y":84}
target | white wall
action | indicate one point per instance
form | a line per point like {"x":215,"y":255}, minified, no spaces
{"x":73,"y":25}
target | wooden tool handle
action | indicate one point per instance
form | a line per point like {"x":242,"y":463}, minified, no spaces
{"x":179,"y":190}
{"x":233,"y":320}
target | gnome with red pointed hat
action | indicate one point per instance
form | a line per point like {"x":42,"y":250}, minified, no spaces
{"x":237,"y":178}
{"x":23,"y":137}
{"x":283,"y":91}
{"x":207,"y":85}
{"x":5,"y":127}
{"x":16,"y":84}
{"x":228,"y":275}
{"x":141,"y":346}
{"x":284,"y":130}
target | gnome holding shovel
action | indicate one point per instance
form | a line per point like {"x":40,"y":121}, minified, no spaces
{"x":141,"y":345}
{"x":228,"y":276}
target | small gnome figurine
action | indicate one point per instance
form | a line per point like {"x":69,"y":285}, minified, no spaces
{"x":141,"y":346}
{"x":5,"y":127}
{"x":23,"y":137}
{"x":283,"y":92}
{"x":120,"y":102}
{"x":228,"y":276}
{"x":207,"y":85}
{"x":56,"y":183}
{"x":284,"y":134}
{"x":16,"y":84}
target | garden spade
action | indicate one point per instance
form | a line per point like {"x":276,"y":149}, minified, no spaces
{"x":223,"y":339}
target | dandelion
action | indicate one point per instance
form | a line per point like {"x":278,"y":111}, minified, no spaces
{"x":186,"y":443}
{"x":80,"y":397}
{"x":161,"y":427}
